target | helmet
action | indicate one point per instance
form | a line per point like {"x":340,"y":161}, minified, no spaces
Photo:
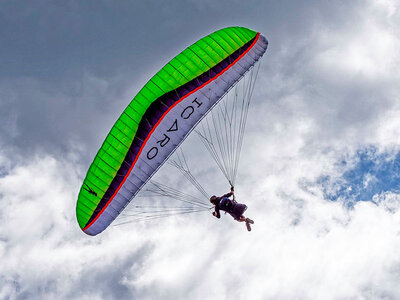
{"x":213,"y":198}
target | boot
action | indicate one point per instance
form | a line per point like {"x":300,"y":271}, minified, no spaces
{"x":249,"y":221}
{"x":248,"y":226}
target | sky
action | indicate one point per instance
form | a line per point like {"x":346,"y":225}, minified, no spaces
{"x":319,"y":174}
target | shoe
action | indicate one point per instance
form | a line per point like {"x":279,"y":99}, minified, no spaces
{"x":248,"y":226}
{"x":249,"y":221}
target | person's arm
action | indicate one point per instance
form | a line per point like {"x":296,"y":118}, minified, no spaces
{"x":231,"y":193}
{"x":216,"y":212}
{"x":227,"y":194}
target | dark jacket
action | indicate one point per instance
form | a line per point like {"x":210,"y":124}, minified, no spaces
{"x":223,"y":203}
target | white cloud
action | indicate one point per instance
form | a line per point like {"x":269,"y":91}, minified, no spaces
{"x":367,"y":47}
{"x":301,"y":245}
{"x":388,"y":7}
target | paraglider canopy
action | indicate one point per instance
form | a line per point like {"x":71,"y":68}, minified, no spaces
{"x":160,"y":117}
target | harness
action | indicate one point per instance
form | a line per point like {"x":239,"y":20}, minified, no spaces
{"x":227,"y":204}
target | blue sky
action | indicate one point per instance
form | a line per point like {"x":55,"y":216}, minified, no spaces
{"x":370,"y":173}
{"x":319,"y":174}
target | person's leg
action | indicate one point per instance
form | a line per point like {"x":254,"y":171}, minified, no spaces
{"x":244,"y":219}
{"x":241,"y":219}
